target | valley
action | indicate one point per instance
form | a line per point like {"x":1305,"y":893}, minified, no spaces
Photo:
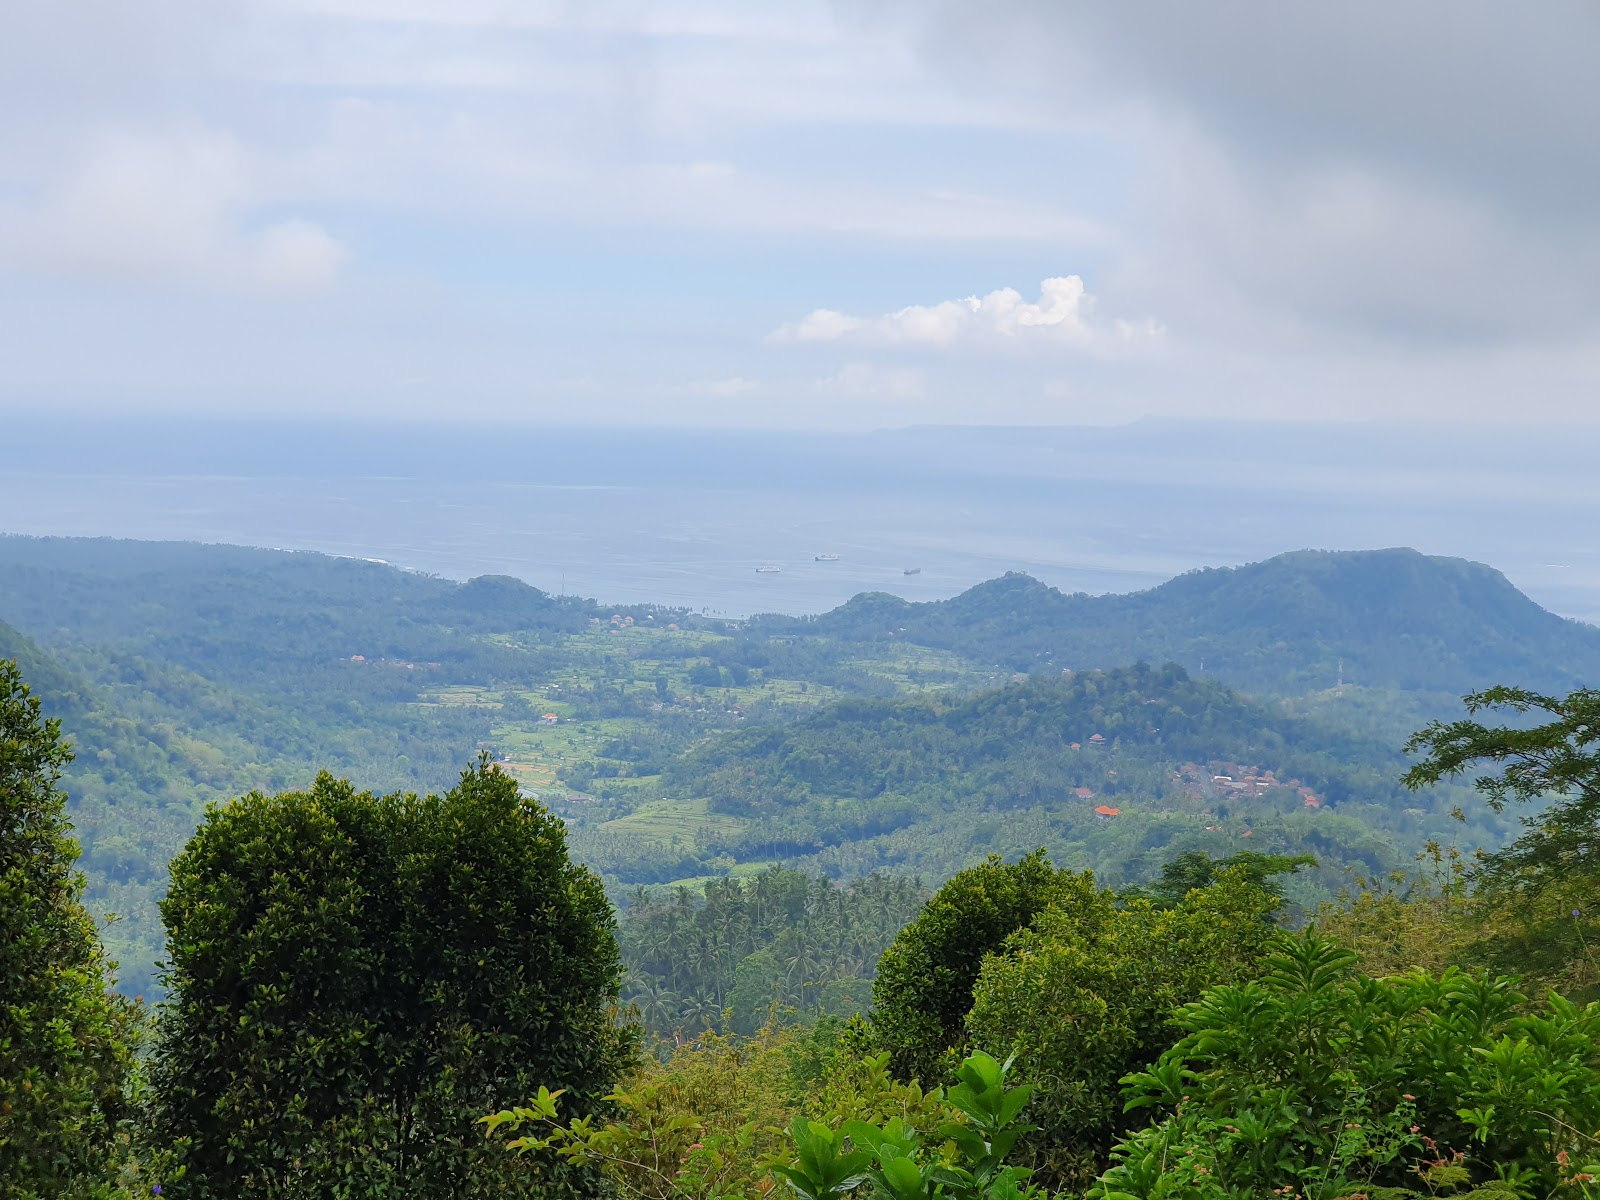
{"x":679,"y":748}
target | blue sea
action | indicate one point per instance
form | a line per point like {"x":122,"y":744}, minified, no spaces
{"x":685,"y":517}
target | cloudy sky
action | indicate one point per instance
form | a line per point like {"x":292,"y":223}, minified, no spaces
{"x":799,"y":214}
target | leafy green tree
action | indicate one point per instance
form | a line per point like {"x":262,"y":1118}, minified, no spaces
{"x":1558,"y":761}
{"x":64,"y":1053}
{"x":1326,"y":1082}
{"x":924,"y":986}
{"x":1196,"y":869}
{"x":1534,"y":907}
{"x":1086,"y":994}
{"x":355,"y":979}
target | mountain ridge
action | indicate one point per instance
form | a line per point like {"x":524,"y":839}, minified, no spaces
{"x":1299,"y":621}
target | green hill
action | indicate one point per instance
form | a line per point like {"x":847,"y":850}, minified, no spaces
{"x":930,"y":784}
{"x":1386,"y":618}
{"x":851,"y":742}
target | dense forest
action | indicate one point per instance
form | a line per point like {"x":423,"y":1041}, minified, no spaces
{"x":679,"y":749}
{"x":776,"y":946}
{"x":1119,"y":770}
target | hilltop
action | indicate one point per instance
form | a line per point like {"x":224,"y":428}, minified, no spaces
{"x":1380,"y":618}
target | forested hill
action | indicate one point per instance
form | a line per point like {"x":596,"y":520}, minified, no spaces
{"x":1116,"y":770}
{"x":1391,"y":618}
{"x":1119,"y":734}
{"x":61,"y":692}
{"x":679,"y":747}
{"x":237,"y":607}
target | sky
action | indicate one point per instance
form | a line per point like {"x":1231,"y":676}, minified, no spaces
{"x":791,"y":214}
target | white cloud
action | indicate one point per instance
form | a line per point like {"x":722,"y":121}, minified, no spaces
{"x":1064,"y":315}
{"x":866,"y":381}
{"x":1419,"y":245}
{"x":1282,"y":208}
{"x":172,"y":207}
{"x":296,"y":254}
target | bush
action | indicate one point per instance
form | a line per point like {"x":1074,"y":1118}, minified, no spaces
{"x":701,"y":1124}
{"x":1087,"y":993}
{"x":923,"y":989}
{"x":355,"y":979}
{"x":1319,"y":1081}
{"x":965,"y":1158}
{"x":709,"y":1125}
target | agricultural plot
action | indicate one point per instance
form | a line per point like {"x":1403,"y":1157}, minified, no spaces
{"x":674,"y":821}
{"x":915,"y":668}
{"x":608,"y":707}
{"x":535,"y":754}
{"x":460,"y":696}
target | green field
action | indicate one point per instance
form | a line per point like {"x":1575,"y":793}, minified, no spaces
{"x":670,"y":821}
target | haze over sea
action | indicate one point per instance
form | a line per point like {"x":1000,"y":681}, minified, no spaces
{"x":685,"y":517}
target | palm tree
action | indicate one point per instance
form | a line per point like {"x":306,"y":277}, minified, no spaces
{"x":700,"y":1012}
{"x":658,"y":1006}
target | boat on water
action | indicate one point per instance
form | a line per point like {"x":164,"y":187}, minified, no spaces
{"x":912,"y":571}
{"x":768,"y":569}
{"x":827,"y":558}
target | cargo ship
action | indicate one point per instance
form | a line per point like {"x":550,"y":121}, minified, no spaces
{"x":827,"y":558}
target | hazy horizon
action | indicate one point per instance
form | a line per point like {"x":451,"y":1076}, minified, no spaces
{"x":1099,"y":293}
{"x":685,"y":517}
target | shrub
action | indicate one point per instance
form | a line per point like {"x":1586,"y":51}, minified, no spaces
{"x":1087,"y":993}
{"x":923,"y":989}
{"x":1318,"y":1081}
{"x":708,"y":1125}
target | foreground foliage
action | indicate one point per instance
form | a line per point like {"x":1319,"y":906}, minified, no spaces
{"x":1087,"y":992}
{"x":1316,"y":1080}
{"x":64,"y":1037}
{"x":689,"y":1131}
{"x":355,"y":978}
{"x":697,"y":1124}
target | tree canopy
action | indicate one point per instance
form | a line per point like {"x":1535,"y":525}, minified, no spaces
{"x":1557,"y":762}
{"x":64,"y":1051}
{"x":355,"y":979}
{"x":924,"y":987}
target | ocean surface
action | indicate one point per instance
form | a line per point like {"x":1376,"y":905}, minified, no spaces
{"x":685,"y":517}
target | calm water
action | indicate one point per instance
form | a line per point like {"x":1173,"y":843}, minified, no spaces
{"x":685,"y":518}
